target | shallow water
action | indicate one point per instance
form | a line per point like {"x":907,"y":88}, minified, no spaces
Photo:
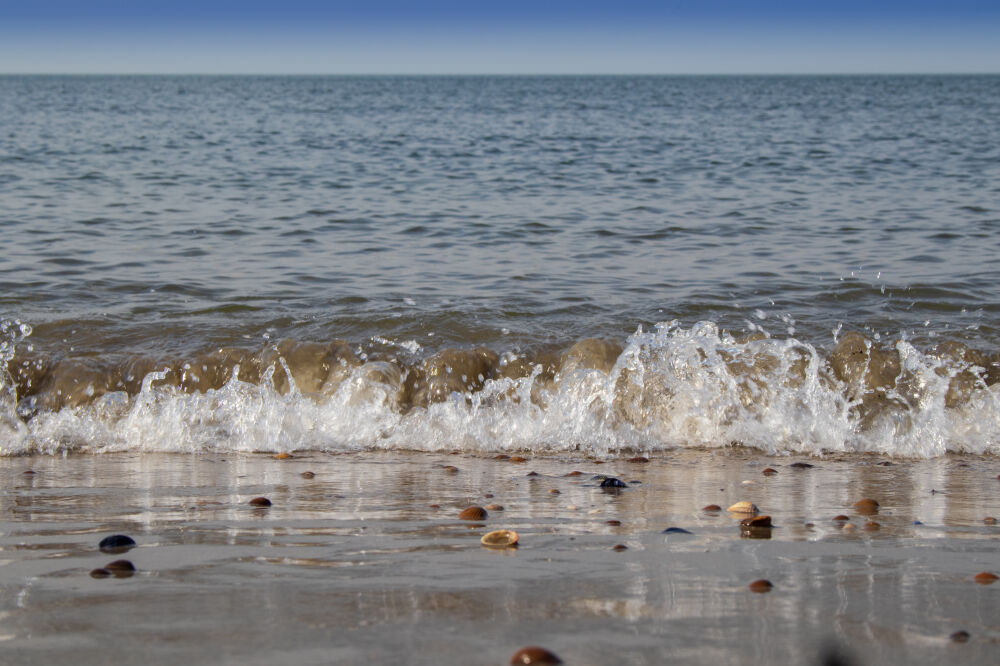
{"x":191,"y":224}
{"x":356,"y":566}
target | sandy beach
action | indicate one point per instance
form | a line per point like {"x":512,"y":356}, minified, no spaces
{"x":367,"y":561}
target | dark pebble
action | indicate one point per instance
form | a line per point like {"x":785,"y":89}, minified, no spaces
{"x":917,"y":522}
{"x":676,"y":530}
{"x":756,"y":521}
{"x":638,"y":459}
{"x":800,"y":465}
{"x":884,"y":463}
{"x":711,"y":507}
{"x":260,"y":501}
{"x":612,"y":482}
{"x":613,"y":522}
{"x":308,"y":475}
{"x":116,"y":543}
{"x":100,"y":573}
{"x":534,"y":655}
{"x":841,"y":518}
{"x":960,"y":637}
{"x":29,"y":472}
{"x":532,"y":474}
{"x":989,"y":520}
{"x":619,"y":547}
{"x":120,"y":568}
{"x":761,"y":586}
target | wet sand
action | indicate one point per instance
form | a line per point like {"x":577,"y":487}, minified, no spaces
{"x":356,"y":566}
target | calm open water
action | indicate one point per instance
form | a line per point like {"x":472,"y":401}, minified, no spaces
{"x":274,"y":263}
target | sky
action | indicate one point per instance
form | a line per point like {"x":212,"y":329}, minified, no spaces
{"x":499,"y":37}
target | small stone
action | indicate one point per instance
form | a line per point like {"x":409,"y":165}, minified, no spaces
{"x":989,"y":520}
{"x":260,"y":501}
{"x":866,"y":506}
{"x":116,"y":543}
{"x":960,"y":637}
{"x":711,"y":507}
{"x":612,"y":482}
{"x":619,"y":547}
{"x":871,"y":526}
{"x":308,"y":475}
{"x":613,"y":522}
{"x":451,"y":469}
{"x":744,"y":507}
{"x":761,"y":585}
{"x":676,"y":530}
{"x":473,"y":513}
{"x":494,"y":507}
{"x":120,"y":568}
{"x":769,"y":471}
{"x":985,"y":578}
{"x":638,"y":459}
{"x":800,"y":465}
{"x":534,"y":655}
{"x":756,"y":521}
{"x":499,"y":539}
{"x":100,"y":573}
{"x":282,"y":456}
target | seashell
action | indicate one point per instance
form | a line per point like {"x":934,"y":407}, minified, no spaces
{"x":744,"y":507}
{"x":756,"y":521}
{"x":574,"y":473}
{"x":769,"y":471}
{"x":554,"y":491}
{"x":676,"y":530}
{"x":871,"y":526}
{"x":985,"y":578}
{"x":989,"y":520}
{"x":120,"y":568}
{"x":533,"y":654}
{"x":612,"y":482}
{"x":116,"y":543}
{"x":282,"y":456}
{"x":308,"y":475}
{"x":517,"y":459}
{"x":613,"y":522}
{"x":501,"y":456}
{"x":711,"y":507}
{"x":100,"y":573}
{"x":473,"y":513}
{"x":638,"y":459}
{"x":260,"y":501}
{"x":494,"y":507}
{"x":499,"y":539}
{"x":801,"y":465}
{"x":841,"y":518}
{"x":618,"y":547}
{"x":761,"y":585}
{"x":450,"y":469}
{"x":866,"y":506}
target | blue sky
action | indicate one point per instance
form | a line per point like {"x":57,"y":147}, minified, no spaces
{"x":513,"y":36}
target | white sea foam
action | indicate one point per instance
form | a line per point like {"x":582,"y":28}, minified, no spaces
{"x":670,"y":387}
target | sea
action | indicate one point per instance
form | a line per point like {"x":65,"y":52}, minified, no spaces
{"x":495,"y":264}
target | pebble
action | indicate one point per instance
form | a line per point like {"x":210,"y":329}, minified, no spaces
{"x":744,"y":507}
{"x":866,"y":506}
{"x":638,"y":459}
{"x":29,"y":472}
{"x":260,"y":501}
{"x":618,"y":547}
{"x":613,"y":522}
{"x":800,"y":465}
{"x":433,"y":506}
{"x":960,"y":637}
{"x":871,"y":526}
{"x":308,"y":475}
{"x":711,"y":507}
{"x":473,"y":513}
{"x":989,"y":520}
{"x":532,"y":473}
{"x":120,"y":568}
{"x":769,"y":471}
{"x":612,"y":482}
{"x":761,"y":585}
{"x":494,"y":507}
{"x":116,"y":543}
{"x":985,"y":578}
{"x":451,"y":469}
{"x":534,"y":655}
{"x":499,"y":539}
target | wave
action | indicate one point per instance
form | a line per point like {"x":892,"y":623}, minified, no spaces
{"x":666,"y":388}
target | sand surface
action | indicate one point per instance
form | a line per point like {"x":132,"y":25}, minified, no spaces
{"x":356,"y":566}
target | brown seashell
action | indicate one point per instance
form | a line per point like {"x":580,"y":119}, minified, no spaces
{"x":307,"y":475}
{"x":554,"y":491}
{"x":756,"y":521}
{"x":601,"y":462}
{"x":613,"y":522}
{"x":30,"y":472}
{"x":100,"y":573}
{"x":985,"y":578}
{"x":517,"y":459}
{"x":744,"y":507}
{"x":769,"y":471}
{"x":850,"y":526}
{"x":282,"y":456}
{"x":801,"y":465}
{"x":488,"y":495}
{"x":841,"y":518}
{"x":960,"y":636}
{"x":574,"y":473}
{"x":494,"y":507}
{"x":871,"y":526}
{"x":638,"y":459}
{"x":989,"y":520}
{"x":473,"y":513}
{"x":451,"y":469}
{"x":433,"y":506}
{"x":499,"y":539}
{"x":120,"y":568}
{"x":711,"y":507}
{"x":532,"y":474}
{"x":866,"y":506}
{"x":761,"y":585}
{"x":260,"y":501}
{"x":501,"y":456}
{"x":619,"y":547}
{"x":534,"y":655}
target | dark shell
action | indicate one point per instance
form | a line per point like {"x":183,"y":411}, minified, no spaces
{"x":534,"y":655}
{"x":612,"y":482}
{"x":116,"y":543}
{"x":676,"y":530}
{"x":260,"y":501}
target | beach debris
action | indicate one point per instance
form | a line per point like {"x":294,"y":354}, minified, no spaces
{"x":614,"y":522}
{"x":450,"y":469}
{"x":116,"y":543}
{"x":801,"y":465}
{"x":769,"y":471}
{"x":100,"y":573}
{"x":756,"y":521}
{"x":29,"y":472}
{"x":676,"y":530}
{"x":619,"y":547}
{"x":960,"y":636}
{"x":554,"y":491}
{"x":500,"y":539}
{"x":711,"y":508}
{"x":884,"y":463}
{"x":282,"y":456}
{"x":985,"y":578}
{"x":433,"y":506}
{"x":473,"y":513}
{"x":532,"y":473}
{"x":866,"y":506}
{"x":501,"y":456}
{"x":744,"y":507}
{"x":841,"y":518}
{"x":761,"y":585}
{"x":850,"y":526}
{"x":260,"y":501}
{"x":871,"y":526}
{"x":120,"y":568}
{"x":517,"y":459}
{"x":533,"y":654}
{"x":612,"y":482}
{"x":574,"y":473}
{"x":989,"y":520}
{"x":494,"y":507}
{"x":757,"y":527}
{"x":307,"y":475}
{"x":638,"y":459}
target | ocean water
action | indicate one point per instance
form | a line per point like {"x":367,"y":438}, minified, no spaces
{"x":498,"y":264}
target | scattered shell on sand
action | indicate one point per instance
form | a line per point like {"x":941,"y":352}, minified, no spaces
{"x":756,"y":522}
{"x":613,"y":522}
{"x":960,"y":637}
{"x":473,"y":513}
{"x":450,"y":469}
{"x":572,"y":507}
{"x":517,"y":459}
{"x":534,"y":655}
{"x":282,"y":456}
{"x":120,"y":568}
{"x":769,"y":471}
{"x":494,"y":507}
{"x":711,"y":507}
{"x":841,"y":518}
{"x":638,"y":459}
{"x":260,"y":501}
{"x":866,"y":506}
{"x":501,"y":456}
{"x":308,"y":475}
{"x":761,"y":586}
{"x":985,"y":578}
{"x":871,"y":526}
{"x":499,"y":539}
{"x":574,"y":473}
{"x":801,"y":465}
{"x":100,"y":573}
{"x":989,"y":520}
{"x":744,"y":507}
{"x":554,"y":491}
{"x":619,"y":547}
{"x":116,"y":543}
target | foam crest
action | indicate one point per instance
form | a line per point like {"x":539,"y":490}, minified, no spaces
{"x":670,"y":387}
